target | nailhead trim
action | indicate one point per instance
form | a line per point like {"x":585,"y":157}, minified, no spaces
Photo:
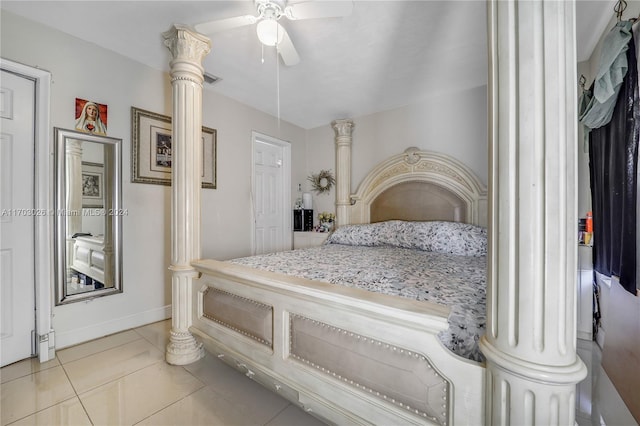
{"x":363,"y":387}
{"x":237,"y":330}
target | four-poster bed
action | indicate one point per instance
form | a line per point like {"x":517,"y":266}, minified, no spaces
{"x":531,"y":365}
{"x":386,"y":363}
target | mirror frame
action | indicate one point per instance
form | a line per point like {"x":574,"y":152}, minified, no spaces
{"x":61,"y":136}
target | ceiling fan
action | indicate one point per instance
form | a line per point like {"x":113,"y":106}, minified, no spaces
{"x":269,"y":30}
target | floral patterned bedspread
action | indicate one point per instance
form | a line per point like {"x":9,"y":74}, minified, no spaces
{"x":452,"y":280}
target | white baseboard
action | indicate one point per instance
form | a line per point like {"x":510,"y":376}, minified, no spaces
{"x":94,"y":331}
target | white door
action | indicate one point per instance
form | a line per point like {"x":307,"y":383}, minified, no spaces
{"x":271,"y":193}
{"x":17,"y":264}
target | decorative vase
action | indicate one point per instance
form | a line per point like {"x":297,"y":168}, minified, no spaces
{"x":326,"y":226}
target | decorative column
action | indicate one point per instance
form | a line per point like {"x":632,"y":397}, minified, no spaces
{"x":108,"y":191}
{"x":530,"y":343}
{"x":188,"y":48}
{"x":343,"y":129}
{"x":73,"y":182}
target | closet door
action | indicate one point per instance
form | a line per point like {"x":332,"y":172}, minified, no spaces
{"x":271,"y":195}
{"x":17,"y":232}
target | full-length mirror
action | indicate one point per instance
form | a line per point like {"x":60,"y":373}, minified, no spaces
{"x":88,"y":215}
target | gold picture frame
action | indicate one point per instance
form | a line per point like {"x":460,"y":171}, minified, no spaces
{"x":151,"y":150}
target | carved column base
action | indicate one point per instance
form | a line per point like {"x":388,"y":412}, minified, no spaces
{"x":524,"y":393}
{"x":183,"y":348}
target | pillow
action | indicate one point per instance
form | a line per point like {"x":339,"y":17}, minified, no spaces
{"x":456,"y":238}
{"x":418,"y":235}
{"x":406,"y":234}
{"x":370,"y":234}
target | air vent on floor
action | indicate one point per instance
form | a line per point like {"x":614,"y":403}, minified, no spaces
{"x":210,"y":78}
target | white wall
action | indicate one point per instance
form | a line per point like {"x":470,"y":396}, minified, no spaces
{"x":83,"y":70}
{"x":453,"y":124}
{"x":226,"y":227}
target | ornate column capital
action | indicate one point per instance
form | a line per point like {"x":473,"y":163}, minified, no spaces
{"x":188,"y":48}
{"x":343,"y":129}
{"x":74,"y":147}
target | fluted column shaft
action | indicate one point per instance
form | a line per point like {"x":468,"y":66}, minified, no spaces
{"x":108,"y":191}
{"x":530,"y":343}
{"x":344,"y":138}
{"x":73,"y":182}
{"x":187,"y":48}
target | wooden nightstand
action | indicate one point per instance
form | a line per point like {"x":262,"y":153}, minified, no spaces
{"x":308,"y":239}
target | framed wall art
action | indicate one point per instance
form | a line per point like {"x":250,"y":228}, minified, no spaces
{"x":151,"y":150}
{"x":92,"y":185}
{"x":91,"y":117}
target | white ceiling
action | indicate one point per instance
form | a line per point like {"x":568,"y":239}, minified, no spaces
{"x":386,"y":54}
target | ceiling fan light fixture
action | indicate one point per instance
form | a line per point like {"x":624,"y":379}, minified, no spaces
{"x":270,"y":32}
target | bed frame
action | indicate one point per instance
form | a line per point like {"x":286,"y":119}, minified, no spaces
{"x":347,"y":355}
{"x":531,"y":368}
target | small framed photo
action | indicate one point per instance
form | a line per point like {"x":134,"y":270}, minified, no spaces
{"x":151,"y":150}
{"x":91,"y":117}
{"x":92,"y":185}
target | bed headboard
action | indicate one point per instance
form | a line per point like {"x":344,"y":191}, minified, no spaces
{"x":420,"y":185}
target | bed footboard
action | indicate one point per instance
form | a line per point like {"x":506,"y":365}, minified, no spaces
{"x":345,"y":355}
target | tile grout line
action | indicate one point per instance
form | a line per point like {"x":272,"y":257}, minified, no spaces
{"x":75,"y":391}
{"x":119,"y":378}
{"x":144,"y":338}
{"x":141,"y":337}
{"x":103,"y":350}
{"x":175,"y":402}
{"x":278,"y":413}
{"x":70,"y":382}
{"x":75,"y":394}
{"x":28,"y":374}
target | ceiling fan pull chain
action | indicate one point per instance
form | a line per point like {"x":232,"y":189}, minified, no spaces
{"x":262,"y":52}
{"x":278,"y":84}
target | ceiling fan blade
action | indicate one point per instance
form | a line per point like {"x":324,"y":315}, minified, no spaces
{"x":225,"y":24}
{"x":319,"y":9}
{"x":287,"y":51}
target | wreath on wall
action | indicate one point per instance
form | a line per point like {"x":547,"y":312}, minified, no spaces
{"x":322,"y":182}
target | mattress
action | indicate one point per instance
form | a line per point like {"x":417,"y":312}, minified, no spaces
{"x":445,"y":276}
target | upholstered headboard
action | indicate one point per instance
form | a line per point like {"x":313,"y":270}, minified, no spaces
{"x":420,"y":185}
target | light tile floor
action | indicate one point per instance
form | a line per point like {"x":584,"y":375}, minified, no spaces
{"x":123,"y":380}
{"x":598,"y":402}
